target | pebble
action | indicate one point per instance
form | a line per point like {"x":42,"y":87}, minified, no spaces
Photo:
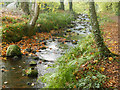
{"x":28,"y":49}
{"x":28,"y":83}
{"x":23,"y":74}
{"x":45,"y":43}
{"x":77,"y":33}
{"x":26,"y":54}
{"x":23,"y":62}
{"x":13,"y":68}
{"x":40,"y":51}
{"x":6,"y":82}
{"x":32,"y":84}
{"x":34,"y":52}
{"x":67,"y":41}
{"x":19,"y":66}
{"x":40,"y":62}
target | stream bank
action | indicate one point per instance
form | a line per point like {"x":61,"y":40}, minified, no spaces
{"x":61,"y":42}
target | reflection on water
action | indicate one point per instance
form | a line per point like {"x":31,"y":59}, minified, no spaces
{"x":14,"y":74}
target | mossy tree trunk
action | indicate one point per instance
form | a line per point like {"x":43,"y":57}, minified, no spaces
{"x":62,"y":4}
{"x":70,"y":5}
{"x":104,"y":51}
{"x":25,"y":7}
{"x":32,"y":22}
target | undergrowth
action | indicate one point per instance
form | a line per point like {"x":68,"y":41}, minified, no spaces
{"x":13,"y":29}
{"x":68,"y":71}
{"x":48,"y":21}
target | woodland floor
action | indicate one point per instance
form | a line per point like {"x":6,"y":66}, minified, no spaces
{"x":112,"y":41}
{"x":111,"y":35}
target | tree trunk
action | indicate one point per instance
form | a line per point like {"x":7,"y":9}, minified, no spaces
{"x":62,"y":4}
{"x":33,"y":6}
{"x":104,"y":51}
{"x":118,"y":12}
{"x":70,"y":5}
{"x":32,"y":22}
{"x":25,"y":7}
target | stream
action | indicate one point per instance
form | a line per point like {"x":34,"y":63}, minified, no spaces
{"x":14,"y":78}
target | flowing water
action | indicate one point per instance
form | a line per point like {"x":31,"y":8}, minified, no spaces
{"x":13,"y":76}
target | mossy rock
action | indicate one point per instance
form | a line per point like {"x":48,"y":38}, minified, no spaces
{"x":32,"y":63}
{"x":31,"y":72}
{"x":43,"y":48}
{"x":68,"y":30}
{"x":13,"y":50}
{"x":35,"y":58}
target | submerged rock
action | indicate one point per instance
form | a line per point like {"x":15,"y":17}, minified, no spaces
{"x":35,"y":58}
{"x":28,"y":49}
{"x":70,"y":26}
{"x":32,"y":72}
{"x":74,"y":42}
{"x":13,"y":50}
{"x":29,"y":83}
{"x":32,"y":63}
{"x":53,"y":39}
{"x":45,"y":43}
{"x":43,"y":48}
{"x":68,"y":30}
{"x":15,"y":57}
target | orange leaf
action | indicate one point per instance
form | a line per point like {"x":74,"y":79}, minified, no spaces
{"x":110,"y":58}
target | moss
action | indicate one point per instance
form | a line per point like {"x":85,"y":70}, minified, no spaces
{"x":32,"y":63}
{"x":31,"y":72}
{"x":13,"y":50}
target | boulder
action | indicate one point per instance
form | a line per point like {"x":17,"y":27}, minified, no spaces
{"x":32,"y":72}
{"x":13,"y":50}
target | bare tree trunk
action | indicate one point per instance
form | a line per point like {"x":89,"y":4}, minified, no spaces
{"x":32,"y":9}
{"x":25,"y":7}
{"x":32,"y":22}
{"x":96,"y":31}
{"x":70,"y":5}
{"x":33,"y":6}
{"x":62,"y":4}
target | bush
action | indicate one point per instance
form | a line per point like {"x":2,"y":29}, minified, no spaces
{"x":10,"y":20}
{"x":67,"y":65}
{"x":13,"y":32}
